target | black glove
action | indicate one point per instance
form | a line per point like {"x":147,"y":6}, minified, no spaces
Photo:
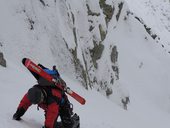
{"x":20,"y":112}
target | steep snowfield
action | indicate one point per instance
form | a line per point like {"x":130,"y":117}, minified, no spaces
{"x":97,"y":112}
{"x":156,"y":14}
{"x":16,"y":36}
{"x":57,"y":33}
{"x":143,"y":63}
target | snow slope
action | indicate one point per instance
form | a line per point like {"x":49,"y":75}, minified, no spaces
{"x":97,"y":112}
{"x":143,"y":63}
{"x":156,"y":14}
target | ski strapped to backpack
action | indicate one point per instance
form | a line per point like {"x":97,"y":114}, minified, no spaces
{"x":31,"y":66}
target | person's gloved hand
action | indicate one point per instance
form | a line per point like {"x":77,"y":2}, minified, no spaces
{"x":16,"y":117}
{"x":20,"y":112}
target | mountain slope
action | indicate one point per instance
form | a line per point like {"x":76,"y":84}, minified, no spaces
{"x":119,"y":47}
{"x":69,"y":33}
{"x":156,"y":15}
{"x":143,"y":64}
{"x":97,"y":112}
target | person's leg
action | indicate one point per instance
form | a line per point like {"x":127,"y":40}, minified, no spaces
{"x":51,"y":115}
{"x":65,"y":114}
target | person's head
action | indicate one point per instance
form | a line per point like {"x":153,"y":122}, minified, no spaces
{"x":35,"y":95}
{"x":54,"y":67}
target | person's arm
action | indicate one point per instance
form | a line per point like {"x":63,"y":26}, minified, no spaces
{"x":22,"y":107}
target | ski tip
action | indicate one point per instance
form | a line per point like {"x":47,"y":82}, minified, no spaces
{"x":83,"y":102}
{"x":23,"y":60}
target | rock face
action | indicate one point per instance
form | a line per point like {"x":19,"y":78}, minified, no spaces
{"x":72,"y":35}
{"x":2,"y":60}
{"x":89,"y":28}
